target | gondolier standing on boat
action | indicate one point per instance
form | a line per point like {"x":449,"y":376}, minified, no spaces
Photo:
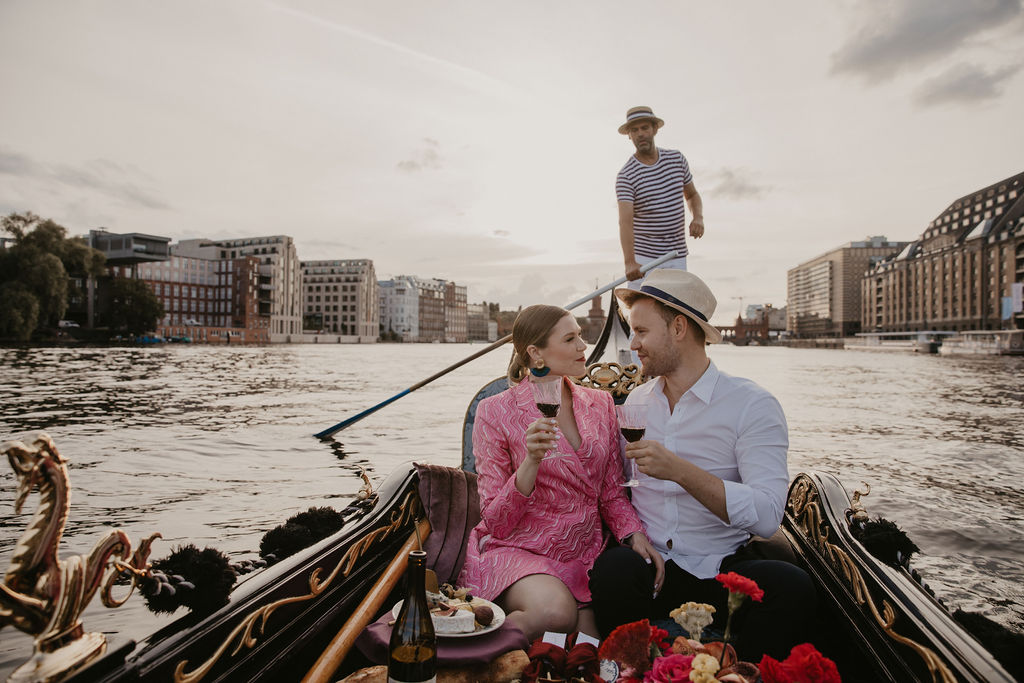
{"x":653,"y":190}
{"x":713,"y":475}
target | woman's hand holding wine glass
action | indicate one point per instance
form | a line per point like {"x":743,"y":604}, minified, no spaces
{"x":547,"y":394}
{"x":541,"y":438}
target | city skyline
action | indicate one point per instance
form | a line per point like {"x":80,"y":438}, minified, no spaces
{"x":447,"y":140}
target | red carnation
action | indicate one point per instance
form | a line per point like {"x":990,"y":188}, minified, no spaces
{"x":659,"y":639}
{"x":803,"y":665}
{"x":741,"y":584}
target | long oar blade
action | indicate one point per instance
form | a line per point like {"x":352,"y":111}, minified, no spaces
{"x":501,"y":342}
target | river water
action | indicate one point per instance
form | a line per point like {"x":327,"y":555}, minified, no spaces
{"x":214,"y":446}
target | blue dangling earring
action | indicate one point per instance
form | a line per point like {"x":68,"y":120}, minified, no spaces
{"x":541,"y":370}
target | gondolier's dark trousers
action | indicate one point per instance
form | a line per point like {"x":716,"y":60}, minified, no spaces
{"x":622,"y":584}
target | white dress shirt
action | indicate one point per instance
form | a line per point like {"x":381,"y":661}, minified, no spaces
{"x":734,"y":429}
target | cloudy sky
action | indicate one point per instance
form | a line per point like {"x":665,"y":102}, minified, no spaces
{"x":476,"y":141}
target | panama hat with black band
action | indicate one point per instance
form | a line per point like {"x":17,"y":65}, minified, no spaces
{"x":682,"y":291}
{"x":639,"y":114}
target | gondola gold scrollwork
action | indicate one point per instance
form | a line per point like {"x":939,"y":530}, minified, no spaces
{"x":857,"y":511}
{"x":803,"y":506}
{"x":612,"y":377}
{"x":247,"y":633}
{"x":43,"y":594}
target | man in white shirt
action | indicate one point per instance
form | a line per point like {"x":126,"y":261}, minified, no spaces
{"x":712,"y":471}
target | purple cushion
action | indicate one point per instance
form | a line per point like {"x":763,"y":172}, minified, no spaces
{"x":453,"y":508}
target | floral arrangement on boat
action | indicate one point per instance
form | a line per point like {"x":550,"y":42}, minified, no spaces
{"x":640,"y":651}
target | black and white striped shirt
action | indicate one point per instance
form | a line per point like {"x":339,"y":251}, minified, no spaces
{"x":659,"y":206}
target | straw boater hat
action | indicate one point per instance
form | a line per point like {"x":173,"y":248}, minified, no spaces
{"x":638,"y":113}
{"x":683,"y":291}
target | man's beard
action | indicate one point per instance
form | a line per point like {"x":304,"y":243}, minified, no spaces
{"x":658,"y":364}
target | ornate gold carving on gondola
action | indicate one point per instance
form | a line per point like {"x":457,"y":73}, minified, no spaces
{"x":804,"y":508}
{"x":612,"y":377}
{"x":857,"y":511}
{"x":366,"y":490}
{"x":44,"y":595}
{"x":247,"y":632}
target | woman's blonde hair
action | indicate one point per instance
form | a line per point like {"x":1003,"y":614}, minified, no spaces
{"x":532,"y":327}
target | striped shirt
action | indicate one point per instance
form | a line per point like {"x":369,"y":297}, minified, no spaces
{"x":659,"y":206}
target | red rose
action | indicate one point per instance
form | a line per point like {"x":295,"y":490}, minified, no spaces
{"x":741,"y":584}
{"x":670,"y":669}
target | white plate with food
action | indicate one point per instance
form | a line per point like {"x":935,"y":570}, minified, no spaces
{"x":450,"y":624}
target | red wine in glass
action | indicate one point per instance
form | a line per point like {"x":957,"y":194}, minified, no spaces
{"x":632,"y":434}
{"x":633,"y":425}
{"x":548,"y":397}
{"x":548,"y":409}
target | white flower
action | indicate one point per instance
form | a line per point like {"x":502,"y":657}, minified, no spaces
{"x":694,"y":617}
{"x":704,"y":669}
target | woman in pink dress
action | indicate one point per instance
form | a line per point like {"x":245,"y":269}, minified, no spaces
{"x":544,"y":517}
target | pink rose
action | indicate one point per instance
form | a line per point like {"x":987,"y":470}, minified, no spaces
{"x":670,"y":669}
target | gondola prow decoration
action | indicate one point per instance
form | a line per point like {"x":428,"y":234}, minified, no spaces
{"x":44,"y":595}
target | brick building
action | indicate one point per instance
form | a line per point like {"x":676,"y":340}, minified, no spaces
{"x":963,"y":273}
{"x":456,"y":326}
{"x":278,"y":270}
{"x":207,"y":299}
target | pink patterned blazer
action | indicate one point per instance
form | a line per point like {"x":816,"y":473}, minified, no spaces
{"x":559,"y":528}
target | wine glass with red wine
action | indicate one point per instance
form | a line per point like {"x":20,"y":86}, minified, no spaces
{"x":633,"y":425}
{"x":548,"y":397}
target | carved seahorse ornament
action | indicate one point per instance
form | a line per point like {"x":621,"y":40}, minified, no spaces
{"x":41,"y":594}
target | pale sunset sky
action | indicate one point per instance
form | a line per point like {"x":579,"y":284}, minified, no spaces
{"x":476,"y":141}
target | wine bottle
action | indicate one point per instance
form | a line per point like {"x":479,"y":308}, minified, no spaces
{"x":412,"y":652}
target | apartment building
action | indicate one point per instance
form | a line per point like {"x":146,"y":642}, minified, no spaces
{"x":479,"y":326}
{"x":965,"y":271}
{"x":432,"y":315}
{"x":824,"y":294}
{"x":399,"y":309}
{"x":207,"y":299}
{"x":342,"y":297}
{"x":423,"y":310}
{"x":456,"y":326}
{"x":279,"y":272}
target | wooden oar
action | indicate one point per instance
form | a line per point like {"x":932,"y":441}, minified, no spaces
{"x":336,"y":651}
{"x":504,"y":340}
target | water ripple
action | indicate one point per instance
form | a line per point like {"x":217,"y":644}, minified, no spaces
{"x":214,"y":446}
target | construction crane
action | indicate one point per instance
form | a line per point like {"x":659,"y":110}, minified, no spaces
{"x":741,"y":304}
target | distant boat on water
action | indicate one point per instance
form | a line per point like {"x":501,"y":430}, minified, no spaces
{"x":923,"y":341}
{"x":985,"y":343}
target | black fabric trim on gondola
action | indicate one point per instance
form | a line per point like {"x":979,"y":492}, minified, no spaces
{"x":606,"y":331}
